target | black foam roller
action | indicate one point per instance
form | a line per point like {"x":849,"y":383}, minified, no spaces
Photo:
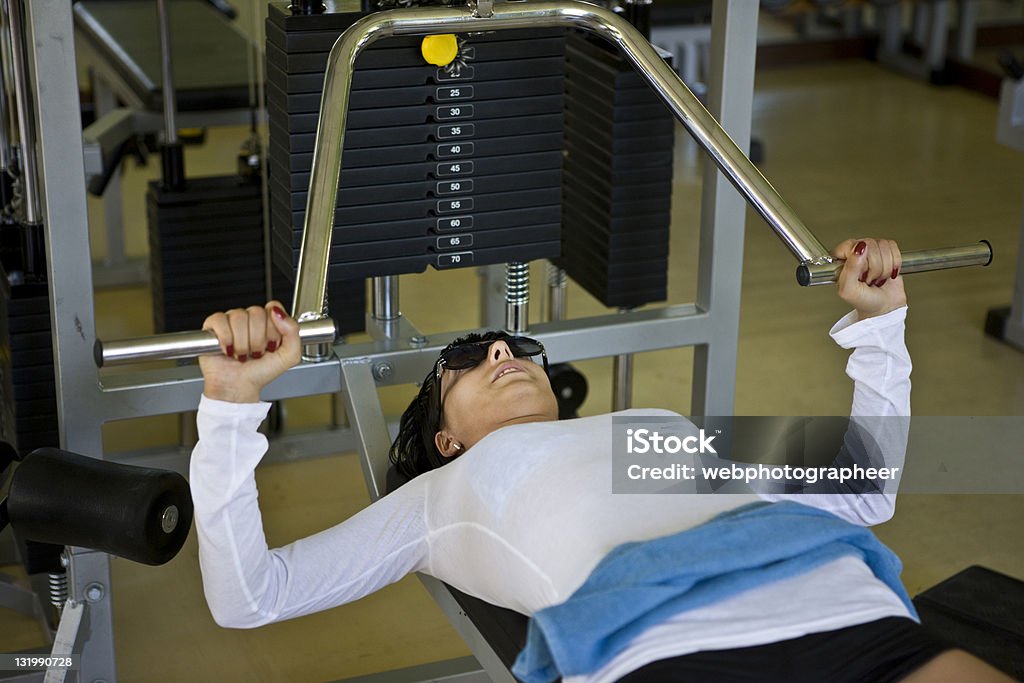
{"x":68,"y":499}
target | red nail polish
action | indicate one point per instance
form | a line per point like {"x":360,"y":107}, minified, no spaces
{"x":895,"y":272}
{"x":859,"y":249}
{"x":271,"y":346}
{"x":883,"y":282}
{"x":231,"y":350}
{"x":256,"y":355}
{"x":278,"y":313}
{"x":864,"y":277}
{"x":243,"y":358}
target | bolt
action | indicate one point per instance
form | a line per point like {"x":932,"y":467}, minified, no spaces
{"x":65,"y":560}
{"x":94,"y":592}
{"x":417,"y":340}
{"x":169,"y":520}
{"x":381,"y":371}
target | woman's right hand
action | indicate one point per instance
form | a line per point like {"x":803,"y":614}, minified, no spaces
{"x":259,"y":345}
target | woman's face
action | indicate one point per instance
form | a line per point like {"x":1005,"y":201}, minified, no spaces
{"x":500,"y":391}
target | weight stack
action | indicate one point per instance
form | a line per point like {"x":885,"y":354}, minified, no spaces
{"x":28,"y":418}
{"x":205,"y":250}
{"x":441,"y":167}
{"x":617,"y":178}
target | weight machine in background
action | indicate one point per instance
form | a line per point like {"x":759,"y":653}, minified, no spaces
{"x":86,"y":398}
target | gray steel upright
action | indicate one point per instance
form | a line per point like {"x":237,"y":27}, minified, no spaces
{"x":54,"y":88}
{"x":723,"y":211}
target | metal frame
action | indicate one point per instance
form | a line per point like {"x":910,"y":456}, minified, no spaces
{"x":87,"y":399}
{"x":1010,"y":132}
{"x":399,"y":354}
{"x":109,"y":88}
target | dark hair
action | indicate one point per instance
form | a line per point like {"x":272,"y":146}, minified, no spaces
{"x":414,"y":451}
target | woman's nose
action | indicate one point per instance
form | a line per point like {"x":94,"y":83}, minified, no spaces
{"x":498,"y":352}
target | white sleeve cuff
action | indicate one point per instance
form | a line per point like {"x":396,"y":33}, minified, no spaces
{"x":216,"y":408}
{"x":850,"y":332}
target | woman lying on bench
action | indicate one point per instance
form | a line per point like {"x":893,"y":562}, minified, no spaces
{"x":515,"y":507}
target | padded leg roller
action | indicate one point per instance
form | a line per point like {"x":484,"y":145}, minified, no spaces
{"x":138,"y":513}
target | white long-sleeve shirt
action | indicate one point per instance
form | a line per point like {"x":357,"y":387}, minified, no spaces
{"x":520,"y":521}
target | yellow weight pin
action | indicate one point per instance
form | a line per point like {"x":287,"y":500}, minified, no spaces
{"x":440,"y":50}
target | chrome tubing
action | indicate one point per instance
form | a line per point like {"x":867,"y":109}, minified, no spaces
{"x":311,"y":281}
{"x":517,"y":297}
{"x":330,"y":138}
{"x":924,"y":260}
{"x":191,"y":344}
{"x":167,"y":74}
{"x":385,"y":298}
{"x":5,"y":107}
{"x":23,"y":107}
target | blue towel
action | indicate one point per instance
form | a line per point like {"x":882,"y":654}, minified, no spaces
{"x":639,"y":585}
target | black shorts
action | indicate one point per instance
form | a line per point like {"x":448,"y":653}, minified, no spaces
{"x":880,"y":651}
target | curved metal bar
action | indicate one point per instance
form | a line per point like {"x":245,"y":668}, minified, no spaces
{"x":311,"y":281}
{"x":924,"y":260}
{"x":191,"y":344}
{"x":330,"y":138}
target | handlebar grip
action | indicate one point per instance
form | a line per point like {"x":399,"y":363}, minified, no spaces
{"x":192,"y":344}
{"x":980,"y":254}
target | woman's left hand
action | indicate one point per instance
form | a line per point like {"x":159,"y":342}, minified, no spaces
{"x":870,"y":280}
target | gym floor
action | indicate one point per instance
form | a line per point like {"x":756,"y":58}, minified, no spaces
{"x":857,"y":150}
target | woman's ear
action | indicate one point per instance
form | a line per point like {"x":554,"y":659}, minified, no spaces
{"x":448,"y":446}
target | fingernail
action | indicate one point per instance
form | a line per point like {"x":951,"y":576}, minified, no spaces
{"x":883,"y":282}
{"x":895,"y":272}
{"x":864,"y":277}
{"x":243,"y":358}
{"x":256,"y":355}
{"x":859,"y":249}
{"x":271,"y":346}
{"x":231,"y":350}
{"x":278,"y":313}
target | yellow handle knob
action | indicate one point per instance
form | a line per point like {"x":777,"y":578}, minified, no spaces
{"x":440,"y":50}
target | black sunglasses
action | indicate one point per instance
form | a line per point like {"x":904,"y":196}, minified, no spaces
{"x":471,"y":354}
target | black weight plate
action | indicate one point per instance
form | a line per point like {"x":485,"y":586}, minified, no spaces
{"x":35,"y":390}
{"x":435,"y":151}
{"x":584,"y":148}
{"x":36,"y":356}
{"x":280,"y":103}
{"x":36,"y":423}
{"x":423,"y":208}
{"x":444,"y":133}
{"x":636,"y":183}
{"x":182,"y":213}
{"x":395,"y":57}
{"x":21,"y":375}
{"x":29,"y":341}
{"x":38,"y":406}
{"x":226,"y":267}
{"x":204,"y":189}
{"x":366,"y":251}
{"x":607,"y":131}
{"x":478,"y":221}
{"x":446,"y":113}
{"x":374,"y":79}
{"x":452,"y":188}
{"x":619,"y":207}
{"x":301,"y":29}
{"x":445,"y":170}
{"x":578,"y":97}
{"x":39,"y":322}
{"x":480,"y":257}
